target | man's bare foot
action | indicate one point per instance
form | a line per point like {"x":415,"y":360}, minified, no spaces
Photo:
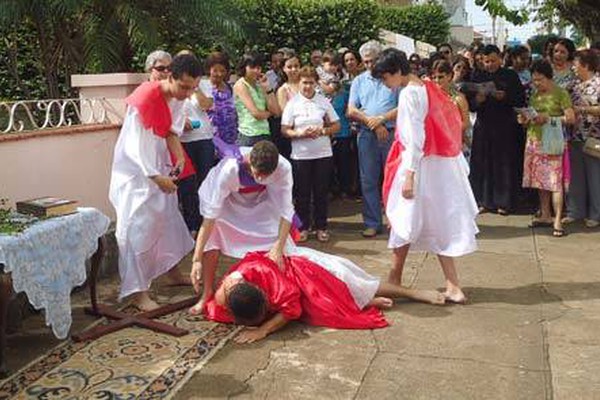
{"x":383,"y":303}
{"x":430,"y":297}
{"x":455,"y":297}
{"x":144,"y":302}
{"x":197,"y":308}
{"x":176,"y":278}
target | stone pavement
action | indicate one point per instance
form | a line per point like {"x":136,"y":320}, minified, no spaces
{"x":530,"y":330}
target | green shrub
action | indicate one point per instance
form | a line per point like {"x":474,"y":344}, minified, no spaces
{"x":428,"y":22}
{"x":305,"y":25}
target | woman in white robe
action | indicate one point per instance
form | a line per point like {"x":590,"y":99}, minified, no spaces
{"x":430,"y":206}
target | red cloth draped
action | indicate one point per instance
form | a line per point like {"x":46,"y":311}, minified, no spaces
{"x":443,"y":134}
{"x":152,"y":107}
{"x":323,"y":299}
{"x":155,"y":114}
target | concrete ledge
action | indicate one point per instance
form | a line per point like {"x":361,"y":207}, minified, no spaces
{"x":94,"y":80}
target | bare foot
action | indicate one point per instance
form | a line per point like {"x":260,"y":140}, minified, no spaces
{"x":144,"y":302}
{"x":176,"y":278}
{"x":383,"y":303}
{"x":197,"y":308}
{"x":455,"y":297}
{"x":430,"y":297}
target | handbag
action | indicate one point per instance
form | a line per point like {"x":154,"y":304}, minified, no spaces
{"x":553,"y":142}
{"x":591,"y":147}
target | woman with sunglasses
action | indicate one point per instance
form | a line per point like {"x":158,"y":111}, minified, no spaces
{"x":158,"y":65}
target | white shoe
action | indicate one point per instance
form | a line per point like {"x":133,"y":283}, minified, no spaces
{"x":592,"y":223}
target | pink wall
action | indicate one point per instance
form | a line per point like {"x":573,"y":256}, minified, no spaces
{"x":73,"y":163}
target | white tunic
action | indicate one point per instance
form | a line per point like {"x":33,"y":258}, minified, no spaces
{"x":151,"y":234}
{"x":361,"y":285}
{"x":441,"y":217}
{"x":245,"y":222}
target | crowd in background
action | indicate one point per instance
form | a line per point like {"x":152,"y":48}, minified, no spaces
{"x":529,"y":123}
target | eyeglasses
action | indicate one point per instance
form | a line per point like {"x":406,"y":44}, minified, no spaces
{"x":162,"y":68}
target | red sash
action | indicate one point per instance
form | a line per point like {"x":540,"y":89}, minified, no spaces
{"x":443,"y":134}
{"x":155,"y":114}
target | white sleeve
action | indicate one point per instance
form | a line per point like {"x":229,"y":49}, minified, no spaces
{"x":280,"y":189}
{"x":415,"y":109}
{"x":287,"y":118}
{"x":220,"y":182}
{"x":206,"y":87}
{"x":178,"y":116}
{"x":141,"y":145}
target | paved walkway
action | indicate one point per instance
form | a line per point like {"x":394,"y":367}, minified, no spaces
{"x":530,"y":330}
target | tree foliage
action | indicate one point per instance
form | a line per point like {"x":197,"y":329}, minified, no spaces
{"x":427,"y":23}
{"x":305,"y":25}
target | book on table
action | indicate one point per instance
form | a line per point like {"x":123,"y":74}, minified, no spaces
{"x":47,"y":207}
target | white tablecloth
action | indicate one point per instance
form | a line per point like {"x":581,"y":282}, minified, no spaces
{"x":48,"y":259}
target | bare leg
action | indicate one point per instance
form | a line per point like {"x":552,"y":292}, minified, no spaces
{"x":143,"y":301}
{"x":545,"y":210}
{"x":209,"y":267}
{"x":399,"y":258}
{"x":453,"y":291}
{"x":389,"y":290}
{"x":557,"y":203}
{"x":174,"y":277}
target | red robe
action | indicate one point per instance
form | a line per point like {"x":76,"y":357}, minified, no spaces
{"x":156,"y":115}
{"x":443,"y":134}
{"x":304,"y":291}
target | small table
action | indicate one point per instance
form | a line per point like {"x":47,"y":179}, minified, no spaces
{"x":47,"y":261}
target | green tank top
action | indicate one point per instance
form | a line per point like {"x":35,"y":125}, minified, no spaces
{"x":247,"y":124}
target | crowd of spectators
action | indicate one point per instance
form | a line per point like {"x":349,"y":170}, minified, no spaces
{"x":529,"y":122}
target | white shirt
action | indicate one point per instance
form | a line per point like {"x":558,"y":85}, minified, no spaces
{"x":177,"y":116}
{"x":301,"y":113}
{"x":195,"y":113}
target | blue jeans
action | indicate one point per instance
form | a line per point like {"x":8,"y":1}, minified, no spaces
{"x":372,"y":154}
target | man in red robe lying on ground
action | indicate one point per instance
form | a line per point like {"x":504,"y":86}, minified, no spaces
{"x":318,"y":288}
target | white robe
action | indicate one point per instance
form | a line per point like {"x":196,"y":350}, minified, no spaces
{"x":441,"y":217}
{"x":245,"y":222}
{"x":151,"y":234}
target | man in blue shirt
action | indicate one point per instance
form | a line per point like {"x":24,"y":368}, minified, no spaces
{"x":374,"y":106}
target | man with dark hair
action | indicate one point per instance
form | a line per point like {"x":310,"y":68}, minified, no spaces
{"x":151,"y":234}
{"x":445,"y":51}
{"x":319,"y":288}
{"x":246,"y":202}
{"x":498,"y":139}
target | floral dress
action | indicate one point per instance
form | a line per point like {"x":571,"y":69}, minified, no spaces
{"x":544,"y":171}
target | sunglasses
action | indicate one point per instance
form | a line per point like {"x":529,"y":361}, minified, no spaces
{"x":162,"y":68}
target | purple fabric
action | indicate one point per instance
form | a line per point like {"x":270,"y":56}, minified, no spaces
{"x":223,"y":115}
{"x":232,"y":150}
{"x":246,"y":179}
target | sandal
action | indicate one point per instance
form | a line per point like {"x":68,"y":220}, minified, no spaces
{"x":558,"y":233}
{"x":536,"y":223}
{"x":323,"y":236}
{"x":303,"y":237}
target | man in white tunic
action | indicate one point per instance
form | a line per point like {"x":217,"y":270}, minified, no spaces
{"x":246,"y":203}
{"x":151,"y":234}
{"x":429,"y":202}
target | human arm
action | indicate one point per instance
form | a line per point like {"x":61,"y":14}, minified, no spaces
{"x":176,"y":148}
{"x":276,"y":252}
{"x":269,"y":93}
{"x":204,"y":102}
{"x":251,"y":335}
{"x":198,"y":272}
{"x":588,"y":110}
{"x":242,"y":92}
{"x":282,"y":98}
{"x":463,"y":106}
{"x":413,"y":137}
